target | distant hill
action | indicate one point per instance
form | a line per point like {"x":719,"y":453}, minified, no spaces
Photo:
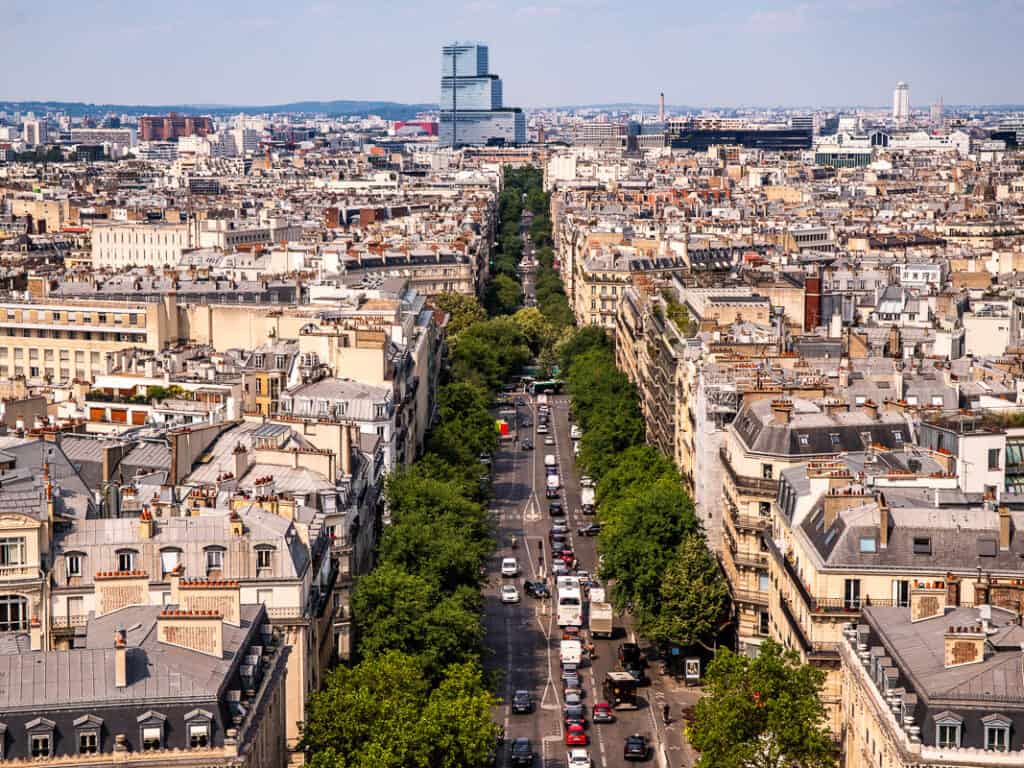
{"x":390,"y":110}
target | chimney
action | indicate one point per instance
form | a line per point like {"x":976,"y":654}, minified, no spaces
{"x":174,"y":577}
{"x":146,"y":525}
{"x":883,"y":525}
{"x":120,"y":658}
{"x":782,"y":410}
{"x":1005,"y":529}
{"x":241,"y":461}
{"x":870,"y":409}
{"x":35,"y":634}
{"x":927,"y":600}
{"x":963,"y":645}
{"x":346,"y":450}
{"x":234,"y":524}
{"x":199,"y":631}
{"x":839,"y":499}
{"x":834,"y":405}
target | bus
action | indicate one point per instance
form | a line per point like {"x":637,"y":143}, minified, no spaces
{"x":570,"y":602}
{"x":553,"y":386}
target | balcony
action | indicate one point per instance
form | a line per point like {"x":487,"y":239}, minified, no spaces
{"x":750,"y":597}
{"x":745,"y":522}
{"x":19,"y":571}
{"x":751,"y":486}
{"x":69,"y":622}
{"x":742,"y":558}
{"x":821,"y":651}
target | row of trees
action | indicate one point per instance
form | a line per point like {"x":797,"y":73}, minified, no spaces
{"x":417,"y":695}
{"x":504,"y":293}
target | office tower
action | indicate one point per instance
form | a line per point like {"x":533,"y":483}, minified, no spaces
{"x":803,"y":123}
{"x":937,"y":113}
{"x":472,"y":110}
{"x":33,"y":131}
{"x":901,"y":103}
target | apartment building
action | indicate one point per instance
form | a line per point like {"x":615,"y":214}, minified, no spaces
{"x":768,"y":436}
{"x":139,"y":244}
{"x":933,"y":683}
{"x":57,"y":341}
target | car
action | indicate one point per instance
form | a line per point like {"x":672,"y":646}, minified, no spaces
{"x":525,"y":422}
{"x":568,"y":668}
{"x":573,"y":693}
{"x":603,"y":713}
{"x":575,"y":432}
{"x":584,"y":577}
{"x":556,"y":509}
{"x":537,"y":589}
{"x":522,"y":703}
{"x":576,"y":714}
{"x":558,"y":526}
{"x":509,"y":594}
{"x":549,"y":440}
{"x":576,"y":449}
{"x":587,"y":481}
{"x":559,"y":537}
{"x":509,"y":566}
{"x":526,"y":445}
{"x":576,"y":736}
{"x":559,"y":568}
{"x":591,"y":529}
{"x":542,"y":429}
{"x":571,"y":633}
{"x":522,"y":752}
{"x":551,"y":493}
{"x":485,"y":459}
{"x":578,"y":758}
{"x":635,"y":747}
{"x":567,"y":554}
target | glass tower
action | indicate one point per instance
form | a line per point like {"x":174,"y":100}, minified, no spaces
{"x":472,"y":111}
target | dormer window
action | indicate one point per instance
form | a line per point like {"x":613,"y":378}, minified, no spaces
{"x":40,"y":737}
{"x":126,"y":560}
{"x":922,"y":545}
{"x":198,"y":727}
{"x":169,"y":560}
{"x":73,"y":564}
{"x":214,"y":561}
{"x":151,"y":730}
{"x":257,"y":361}
{"x":948,"y":727}
{"x":88,"y":728}
{"x":264,"y":560}
{"x":997,"y":733}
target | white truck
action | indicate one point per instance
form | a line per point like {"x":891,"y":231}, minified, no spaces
{"x":601,"y":619}
{"x":571,"y":652}
{"x":587,"y":500}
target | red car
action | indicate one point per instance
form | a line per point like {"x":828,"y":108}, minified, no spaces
{"x":575,"y":736}
{"x":567,"y":556}
{"x":603,"y":713}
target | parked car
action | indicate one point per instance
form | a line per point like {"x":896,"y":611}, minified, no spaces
{"x":537,"y":589}
{"x":591,"y":529}
{"x":522,"y":703}
{"x":509,"y":594}
{"x":635,"y":747}
{"x":526,"y":444}
{"x":522,"y":752}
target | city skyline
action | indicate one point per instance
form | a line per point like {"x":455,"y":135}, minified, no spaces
{"x":564,"y":52}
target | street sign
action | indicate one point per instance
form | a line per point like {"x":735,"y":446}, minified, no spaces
{"x":691,"y":671}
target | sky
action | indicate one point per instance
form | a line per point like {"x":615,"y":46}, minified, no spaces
{"x":548,"y":52}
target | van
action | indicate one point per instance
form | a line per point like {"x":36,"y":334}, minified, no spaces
{"x":571,"y":652}
{"x":553,"y":482}
{"x":550,"y":460}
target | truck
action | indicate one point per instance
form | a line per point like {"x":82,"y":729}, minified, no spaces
{"x":553,"y":484}
{"x":587,"y":500}
{"x":601,"y":619}
{"x":620,"y":690}
{"x":571,"y":652}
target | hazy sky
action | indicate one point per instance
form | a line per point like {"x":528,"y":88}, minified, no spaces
{"x":709,"y":52}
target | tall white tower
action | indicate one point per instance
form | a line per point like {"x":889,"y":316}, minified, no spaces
{"x":901,"y":103}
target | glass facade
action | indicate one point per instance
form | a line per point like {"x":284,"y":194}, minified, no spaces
{"x":472,"y":109}
{"x":471,"y":92}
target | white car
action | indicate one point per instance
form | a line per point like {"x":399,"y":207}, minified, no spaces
{"x":579,"y":758}
{"x":549,"y":440}
{"x":587,"y":481}
{"x":575,"y":432}
{"x":542,"y":429}
{"x":509,"y":594}
{"x":509,"y":567}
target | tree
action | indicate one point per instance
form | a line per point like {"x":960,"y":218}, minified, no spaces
{"x":579,"y":341}
{"x":535,"y":328}
{"x":504,"y":295}
{"x":639,"y":466}
{"x":761,"y":713}
{"x":692,"y":601}
{"x":638,"y":538}
{"x":462,"y":311}
{"x":489,"y":352}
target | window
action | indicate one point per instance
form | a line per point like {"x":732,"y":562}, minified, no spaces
{"x":73,"y":564}
{"x":911,"y":399}
{"x":151,"y":738}
{"x":763,"y":621}
{"x":897,"y":436}
{"x":834,"y":438}
{"x":13,"y":613}
{"x":900,"y":593}
{"x":804,"y":440}
{"x":922,"y":545}
{"x":40,"y":745}
{"x":764,"y":508}
{"x":88,"y":727}
{"x":126,"y":560}
{"x":937,"y":401}
{"x":868,"y":544}
{"x":214,"y":561}
{"x":12,"y":550}
{"x":263,"y":559}
{"x":199,"y":735}
{"x":860,"y":400}
{"x":762,"y":582}
{"x":169,"y":559}
{"x":948,"y":736}
{"x":851,"y":594}
{"x":993,"y":458}
{"x":997,"y":733}
{"x":766,"y":471}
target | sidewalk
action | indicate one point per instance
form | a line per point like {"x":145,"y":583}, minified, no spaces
{"x":676,"y":751}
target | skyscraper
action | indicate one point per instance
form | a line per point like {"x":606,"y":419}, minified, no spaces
{"x":901,"y":103}
{"x":472,"y":111}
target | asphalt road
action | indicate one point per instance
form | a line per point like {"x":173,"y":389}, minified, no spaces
{"x":524,"y":639}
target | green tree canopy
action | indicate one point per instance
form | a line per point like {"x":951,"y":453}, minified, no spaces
{"x":762,"y":713}
{"x":504,"y":295}
{"x":536,"y":329}
{"x":489,"y":352}
{"x":462,"y":311}
{"x":693,"y":599}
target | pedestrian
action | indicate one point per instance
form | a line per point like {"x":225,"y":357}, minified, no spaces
{"x":665,"y":711}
